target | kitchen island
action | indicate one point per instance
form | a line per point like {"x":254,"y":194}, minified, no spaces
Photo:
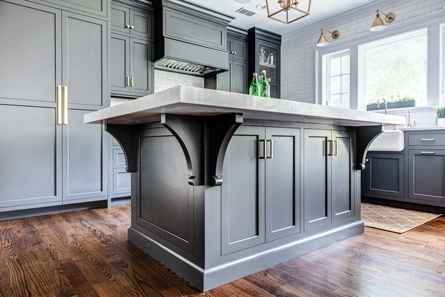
{"x":225,"y":184}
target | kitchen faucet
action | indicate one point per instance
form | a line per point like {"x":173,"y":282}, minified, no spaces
{"x":386,"y":105}
{"x":409,"y":118}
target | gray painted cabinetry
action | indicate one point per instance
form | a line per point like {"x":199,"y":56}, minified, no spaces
{"x":131,"y":51}
{"x":413,"y":178}
{"x":48,"y":156}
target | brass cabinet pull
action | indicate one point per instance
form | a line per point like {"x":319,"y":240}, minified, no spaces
{"x":128,"y":81}
{"x":335,"y":144}
{"x":264,"y":148}
{"x":132,"y":27}
{"x":132,"y":82}
{"x":128,"y":26}
{"x":428,"y":153}
{"x":65,"y":105}
{"x":271,"y":149}
{"x":59,"y":105}
{"x":427,"y":139}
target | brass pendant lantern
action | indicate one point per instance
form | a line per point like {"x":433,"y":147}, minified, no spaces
{"x":288,"y":11}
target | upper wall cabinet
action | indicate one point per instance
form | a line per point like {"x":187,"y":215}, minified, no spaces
{"x":265,"y":54}
{"x":136,"y":22}
{"x":96,"y":7}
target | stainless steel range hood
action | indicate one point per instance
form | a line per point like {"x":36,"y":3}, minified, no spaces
{"x":190,"y":39}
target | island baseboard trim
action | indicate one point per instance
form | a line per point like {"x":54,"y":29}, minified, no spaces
{"x":207,"y":279}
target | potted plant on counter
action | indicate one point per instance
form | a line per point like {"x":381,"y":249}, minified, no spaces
{"x":440,"y":112}
{"x":394,"y":103}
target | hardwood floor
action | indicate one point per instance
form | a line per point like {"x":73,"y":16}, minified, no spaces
{"x":86,"y":253}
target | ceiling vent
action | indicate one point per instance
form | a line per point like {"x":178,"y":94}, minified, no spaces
{"x":244,"y":11}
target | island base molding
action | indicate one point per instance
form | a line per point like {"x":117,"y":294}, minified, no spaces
{"x":206,"y":279}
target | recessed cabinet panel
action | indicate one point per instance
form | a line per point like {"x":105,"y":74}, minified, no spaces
{"x":283,"y":187}
{"x":386,"y":173}
{"x":141,"y":22}
{"x":119,"y":62}
{"x":165,"y":190}
{"x":121,"y":182}
{"x":30,"y":156}
{"x":83,"y":175}
{"x":30,"y":54}
{"x":120,"y":18}
{"x":316,"y":184}
{"x":140,"y":65}
{"x":83,"y":52}
{"x":427,"y":175}
{"x":343,"y":178}
{"x":239,"y":77}
{"x":243,"y":193}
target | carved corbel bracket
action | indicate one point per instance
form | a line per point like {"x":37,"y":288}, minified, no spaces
{"x":188,"y":130}
{"x":365,"y":136}
{"x":220,"y":130}
{"x":125,"y":136}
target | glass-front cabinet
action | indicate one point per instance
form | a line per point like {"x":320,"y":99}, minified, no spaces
{"x":266,"y":48}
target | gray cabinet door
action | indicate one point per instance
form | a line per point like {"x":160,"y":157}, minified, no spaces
{"x":243,"y":191}
{"x":84,"y":60}
{"x":316,"y":179}
{"x":239,"y":77}
{"x":141,"y":22}
{"x":120,"y":19}
{"x":84,"y":72}
{"x":141,"y":67}
{"x":30,"y":61}
{"x":386,"y":174}
{"x":343,"y":194}
{"x":120,"y":63}
{"x":30,"y":157}
{"x":120,"y":179}
{"x":283,"y":213}
{"x":427,"y":175}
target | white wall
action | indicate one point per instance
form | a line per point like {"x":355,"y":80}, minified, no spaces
{"x":165,"y":80}
{"x":298,"y":77}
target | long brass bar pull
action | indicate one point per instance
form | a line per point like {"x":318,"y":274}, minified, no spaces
{"x":271,"y":149}
{"x":132,"y":82}
{"x":128,"y":81}
{"x":264,"y":148}
{"x":65,"y":105}
{"x":428,"y":153}
{"x":335,"y":145}
{"x":329,"y":148}
{"x":59,"y":105}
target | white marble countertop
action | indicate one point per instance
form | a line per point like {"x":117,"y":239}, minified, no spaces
{"x":202,"y":102}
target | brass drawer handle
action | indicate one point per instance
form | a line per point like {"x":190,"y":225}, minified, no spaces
{"x":428,"y":153}
{"x":427,"y":139}
{"x":65,"y":105}
{"x":132,"y":82}
{"x":335,"y":144}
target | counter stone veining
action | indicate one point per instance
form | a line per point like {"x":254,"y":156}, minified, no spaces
{"x":188,"y":100}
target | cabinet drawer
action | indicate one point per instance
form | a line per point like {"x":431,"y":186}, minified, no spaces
{"x":426,"y":139}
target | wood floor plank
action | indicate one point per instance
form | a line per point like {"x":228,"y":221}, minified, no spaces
{"x":86,"y":253}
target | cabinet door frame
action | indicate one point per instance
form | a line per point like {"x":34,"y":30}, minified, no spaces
{"x":126,"y":58}
{"x":295,"y":226}
{"x":70,"y":6}
{"x":400,"y":157}
{"x":346,"y":155}
{"x":323,"y":136}
{"x":427,"y":152}
{"x":228,"y":247}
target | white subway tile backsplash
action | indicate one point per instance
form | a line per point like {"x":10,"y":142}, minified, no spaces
{"x":165,"y":80}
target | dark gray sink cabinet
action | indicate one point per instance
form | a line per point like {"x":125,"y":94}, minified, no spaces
{"x":48,"y":156}
{"x":413,"y":178}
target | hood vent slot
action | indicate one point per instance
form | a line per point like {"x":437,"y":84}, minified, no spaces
{"x":244,"y":11}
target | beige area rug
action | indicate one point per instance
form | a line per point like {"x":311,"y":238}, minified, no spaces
{"x":393,"y":219}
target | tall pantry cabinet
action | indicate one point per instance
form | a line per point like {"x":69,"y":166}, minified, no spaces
{"x":53,"y":62}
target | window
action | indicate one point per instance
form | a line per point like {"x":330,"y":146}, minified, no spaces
{"x":336,"y":81}
{"x":395,"y":68}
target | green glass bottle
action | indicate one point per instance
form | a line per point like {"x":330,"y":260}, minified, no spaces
{"x":254,"y":85}
{"x":264,"y":86}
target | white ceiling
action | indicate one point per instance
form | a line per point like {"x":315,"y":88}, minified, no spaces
{"x":320,"y":10}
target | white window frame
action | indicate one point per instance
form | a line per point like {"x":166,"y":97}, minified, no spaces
{"x":326,"y":87}
{"x":380,"y":42}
